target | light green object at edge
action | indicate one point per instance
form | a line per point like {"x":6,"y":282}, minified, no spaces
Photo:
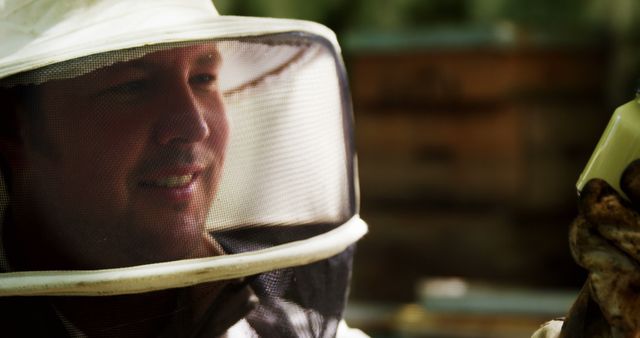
{"x":618,"y":146}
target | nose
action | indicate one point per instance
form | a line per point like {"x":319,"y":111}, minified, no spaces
{"x":184,"y":119}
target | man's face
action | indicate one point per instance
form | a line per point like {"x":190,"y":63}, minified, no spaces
{"x":122,"y":165}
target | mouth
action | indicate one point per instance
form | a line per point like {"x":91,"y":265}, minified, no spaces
{"x":177,"y":185}
{"x":177,"y":176}
{"x":171,"y":181}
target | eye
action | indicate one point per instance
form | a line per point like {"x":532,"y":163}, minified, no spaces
{"x":204,"y":79}
{"x":128,"y":90}
{"x":130,"y":86}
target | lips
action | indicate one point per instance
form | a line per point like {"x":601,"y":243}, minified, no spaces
{"x":173,"y":181}
{"x":171,"y":184}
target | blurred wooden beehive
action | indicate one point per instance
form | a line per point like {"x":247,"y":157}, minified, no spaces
{"x":472,"y":152}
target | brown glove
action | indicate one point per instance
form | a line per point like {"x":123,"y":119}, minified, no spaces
{"x":605,"y":240}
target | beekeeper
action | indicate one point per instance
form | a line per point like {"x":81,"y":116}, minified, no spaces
{"x":605,"y":240}
{"x":170,"y":172}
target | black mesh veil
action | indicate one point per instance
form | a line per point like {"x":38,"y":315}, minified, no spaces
{"x":189,"y":189}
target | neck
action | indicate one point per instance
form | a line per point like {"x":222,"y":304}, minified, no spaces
{"x":148,"y":314}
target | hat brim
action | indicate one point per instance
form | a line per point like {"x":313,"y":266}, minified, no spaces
{"x":50,"y":49}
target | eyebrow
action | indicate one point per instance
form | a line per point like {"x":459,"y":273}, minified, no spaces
{"x":209,"y":58}
{"x":206,"y":58}
{"x":134,"y":64}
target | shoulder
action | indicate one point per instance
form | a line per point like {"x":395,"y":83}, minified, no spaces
{"x":550,"y":329}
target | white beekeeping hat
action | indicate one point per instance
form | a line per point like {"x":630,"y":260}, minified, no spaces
{"x":155,"y":150}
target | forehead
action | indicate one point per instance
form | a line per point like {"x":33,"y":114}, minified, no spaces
{"x":128,"y":62}
{"x":203,"y":54}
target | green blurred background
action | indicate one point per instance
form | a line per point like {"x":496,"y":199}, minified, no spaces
{"x":474,"y":119}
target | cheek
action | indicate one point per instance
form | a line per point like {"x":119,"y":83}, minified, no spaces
{"x":97,"y":158}
{"x":220,"y":129}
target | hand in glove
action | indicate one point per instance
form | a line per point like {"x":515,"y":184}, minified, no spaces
{"x":605,"y":240}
